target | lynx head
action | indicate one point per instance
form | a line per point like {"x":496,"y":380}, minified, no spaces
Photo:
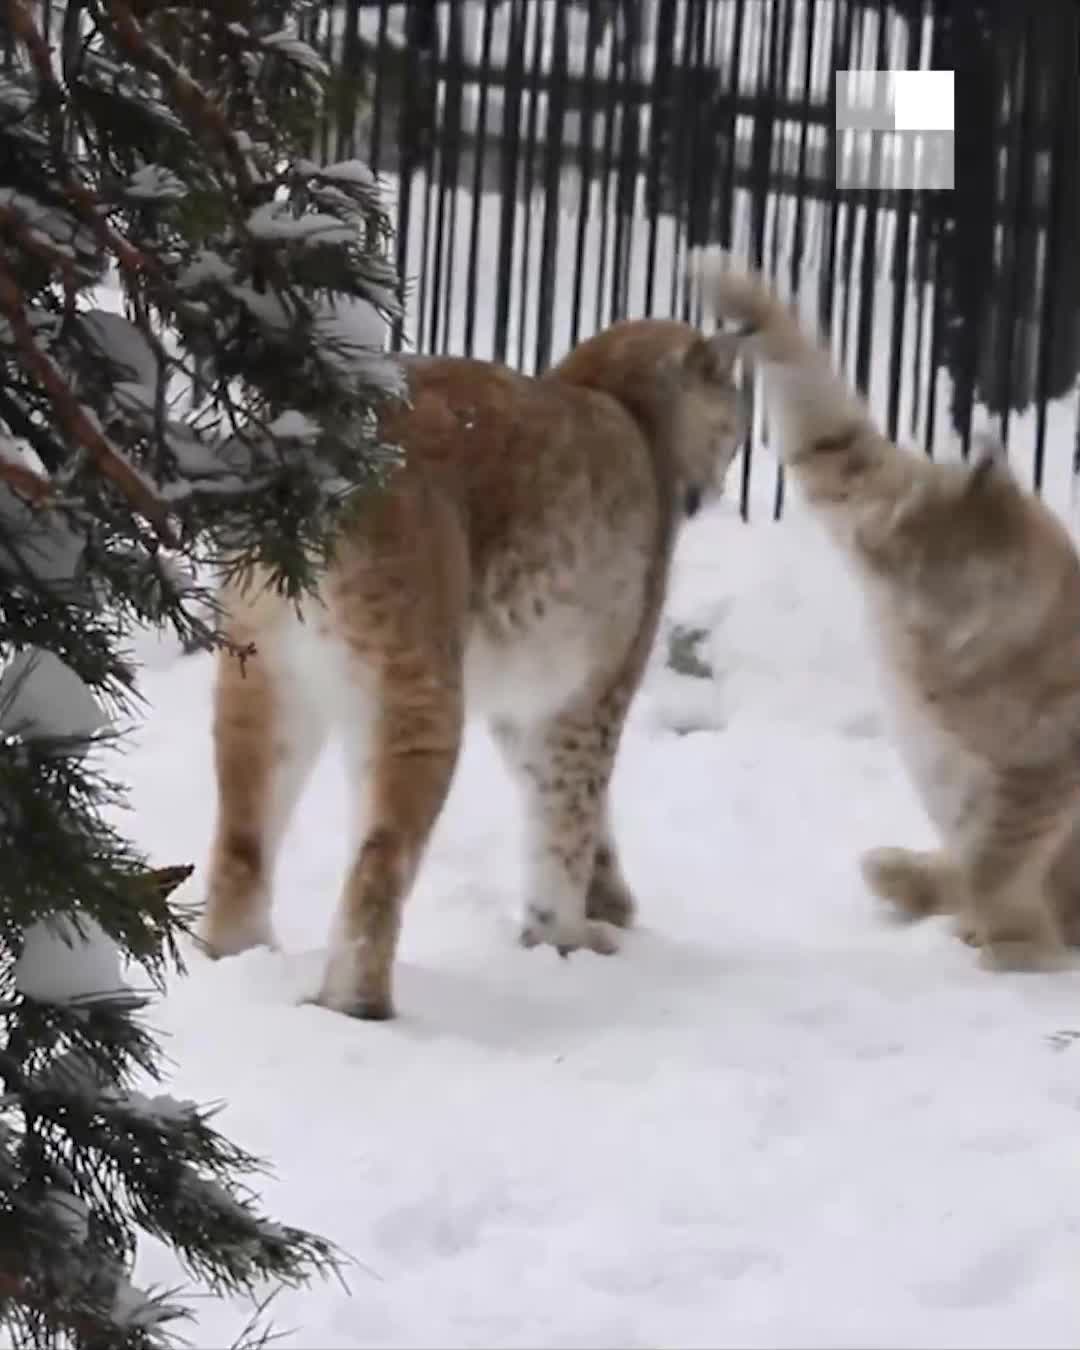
{"x":708,"y":416}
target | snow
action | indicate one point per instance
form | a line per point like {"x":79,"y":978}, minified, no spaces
{"x":153,"y":182}
{"x":121,"y":343}
{"x":774,"y":1119}
{"x":294,"y":425}
{"x":351,"y":334}
{"x":62,"y":963}
{"x":69,"y":1212}
{"x":271,"y":221}
{"x":40,"y":695}
{"x":206,"y":266}
{"x":289,"y":45}
{"x":354,"y":171}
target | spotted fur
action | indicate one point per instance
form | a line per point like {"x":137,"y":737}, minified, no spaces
{"x":515,"y":565}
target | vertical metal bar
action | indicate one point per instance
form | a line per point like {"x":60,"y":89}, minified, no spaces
{"x":611,"y":114}
{"x":761,"y":150}
{"x":585,"y":162}
{"x":726,"y":204}
{"x":900,"y":274}
{"x":379,"y":92}
{"x":778,"y":160}
{"x":450,"y":133}
{"x":843,"y":47}
{"x":683,"y":167}
{"x":1062,"y":105}
{"x":1016,"y":227}
{"x":479,"y":166}
{"x":553,"y":172}
{"x":410,"y":138}
{"x":531,"y":155}
{"x":633,"y":86}
{"x":864,"y":339}
{"x":424,"y":24}
{"x":509,"y":162}
{"x":701,"y":180}
{"x":660,"y":139}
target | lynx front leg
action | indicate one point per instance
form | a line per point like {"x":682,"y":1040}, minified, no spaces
{"x":267,"y":736}
{"x":1065,"y":887}
{"x":1007,"y":872}
{"x":609,"y":899}
{"x":564,"y":766}
{"x":415,"y":750}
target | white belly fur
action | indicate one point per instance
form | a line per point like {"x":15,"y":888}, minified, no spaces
{"x":524,"y":680}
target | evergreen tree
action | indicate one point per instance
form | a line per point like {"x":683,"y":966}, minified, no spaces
{"x":190,"y":364}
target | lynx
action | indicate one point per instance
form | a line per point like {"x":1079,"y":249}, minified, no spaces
{"x":515,"y":565}
{"x":973,"y":597}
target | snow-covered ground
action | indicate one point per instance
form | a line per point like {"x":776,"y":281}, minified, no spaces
{"x":774,"y":1119}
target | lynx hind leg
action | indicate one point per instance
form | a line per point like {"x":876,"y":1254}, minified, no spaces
{"x":564,"y":766}
{"x":267,"y":735}
{"x":609,"y":898}
{"x":915,"y":883}
{"x":404,"y":596}
{"x":414,"y":752}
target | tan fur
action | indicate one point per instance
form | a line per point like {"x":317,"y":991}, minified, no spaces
{"x":516,"y":564}
{"x":974,"y":598}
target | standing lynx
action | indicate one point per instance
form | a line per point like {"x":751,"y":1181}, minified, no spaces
{"x":973,"y":592}
{"x":515,"y":565}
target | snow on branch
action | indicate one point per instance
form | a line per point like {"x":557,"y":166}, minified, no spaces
{"x":198,"y":110}
{"x":75,"y":419}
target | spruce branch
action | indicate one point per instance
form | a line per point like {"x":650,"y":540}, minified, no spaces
{"x":202,"y":115}
{"x":89,"y":206}
{"x":25,"y":481}
{"x":73,"y":416}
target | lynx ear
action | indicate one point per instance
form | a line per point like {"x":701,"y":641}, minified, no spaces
{"x":713,"y":358}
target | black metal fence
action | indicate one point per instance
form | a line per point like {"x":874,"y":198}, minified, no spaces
{"x":552,"y":163}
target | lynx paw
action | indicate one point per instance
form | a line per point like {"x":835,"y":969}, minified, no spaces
{"x":379,"y":1009}
{"x":610,"y":904}
{"x":1028,"y":956}
{"x":354,"y":984}
{"x":217,"y":940}
{"x":904,"y":879}
{"x":543,"y":926}
{"x":967,"y":930}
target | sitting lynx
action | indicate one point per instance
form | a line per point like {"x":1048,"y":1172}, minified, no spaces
{"x":973,"y":591}
{"x":516,"y":564}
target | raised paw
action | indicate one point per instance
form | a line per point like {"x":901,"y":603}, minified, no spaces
{"x":909,"y":881}
{"x":543,"y":927}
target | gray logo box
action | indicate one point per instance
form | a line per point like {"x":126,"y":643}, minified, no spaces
{"x":871,"y":152}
